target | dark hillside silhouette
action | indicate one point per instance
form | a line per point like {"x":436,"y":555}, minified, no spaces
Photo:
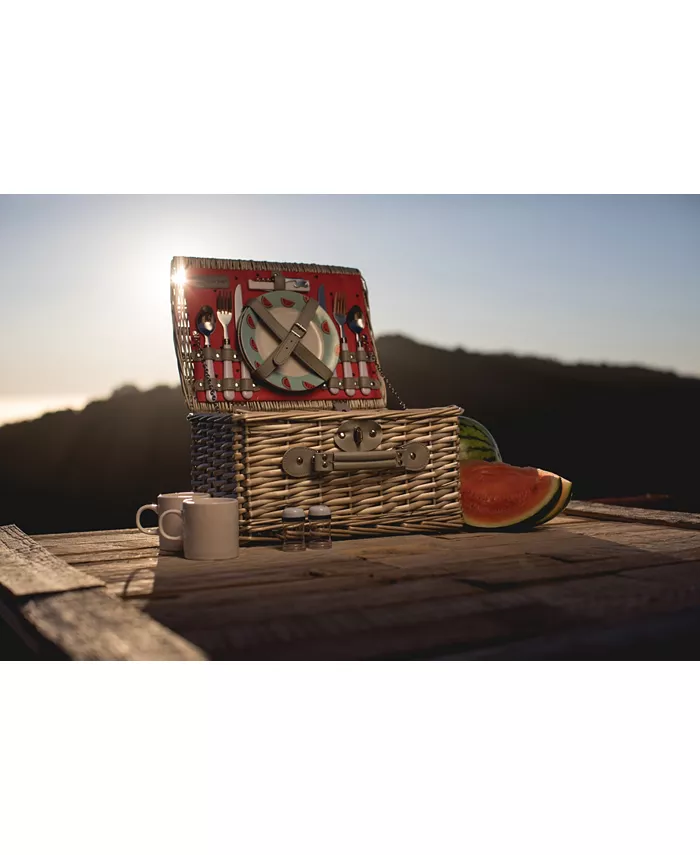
{"x":80,"y":471}
{"x":614,"y":431}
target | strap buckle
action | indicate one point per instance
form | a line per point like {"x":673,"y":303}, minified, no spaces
{"x":299,"y":326}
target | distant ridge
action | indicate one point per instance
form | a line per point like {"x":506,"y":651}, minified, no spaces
{"x":612,"y":430}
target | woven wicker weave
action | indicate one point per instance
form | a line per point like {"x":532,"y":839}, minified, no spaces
{"x":241,"y":454}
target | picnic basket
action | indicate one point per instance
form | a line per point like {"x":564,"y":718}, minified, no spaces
{"x":381,"y":471}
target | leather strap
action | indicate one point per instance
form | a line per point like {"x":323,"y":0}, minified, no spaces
{"x":224,"y":354}
{"x":204,"y":353}
{"x":346,"y":382}
{"x":227,"y":384}
{"x":228,"y":354}
{"x":290,"y":340}
{"x":288,"y":345}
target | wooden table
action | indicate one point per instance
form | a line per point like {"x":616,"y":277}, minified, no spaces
{"x":598,"y":582}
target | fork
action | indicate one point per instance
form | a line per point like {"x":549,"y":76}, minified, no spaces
{"x":224,"y":312}
{"x":340,"y":318}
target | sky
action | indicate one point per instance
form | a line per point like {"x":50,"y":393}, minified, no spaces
{"x":84,"y":284}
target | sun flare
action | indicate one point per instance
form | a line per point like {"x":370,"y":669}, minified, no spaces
{"x":180,"y":276}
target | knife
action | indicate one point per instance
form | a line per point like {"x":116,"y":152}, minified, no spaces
{"x":322,"y":303}
{"x":238,"y":308}
{"x":269,"y":285}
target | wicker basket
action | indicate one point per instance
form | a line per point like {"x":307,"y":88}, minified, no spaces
{"x":244,"y":454}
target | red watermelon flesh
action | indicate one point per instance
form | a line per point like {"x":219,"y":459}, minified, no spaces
{"x":500,"y":496}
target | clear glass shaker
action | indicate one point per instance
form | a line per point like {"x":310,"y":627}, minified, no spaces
{"x":319,"y":536}
{"x":293,"y":526}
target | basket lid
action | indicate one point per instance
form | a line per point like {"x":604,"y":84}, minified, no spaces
{"x":258,"y":335}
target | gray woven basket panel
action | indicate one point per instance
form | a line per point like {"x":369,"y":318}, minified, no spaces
{"x":212,"y":454}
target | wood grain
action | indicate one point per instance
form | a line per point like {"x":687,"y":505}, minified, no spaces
{"x":27,"y":568}
{"x":92,"y":625}
{"x":595,"y":510}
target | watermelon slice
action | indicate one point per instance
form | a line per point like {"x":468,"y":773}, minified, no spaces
{"x":476,"y":443}
{"x":497,"y":496}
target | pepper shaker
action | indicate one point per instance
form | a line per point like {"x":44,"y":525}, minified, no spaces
{"x":319,"y":527}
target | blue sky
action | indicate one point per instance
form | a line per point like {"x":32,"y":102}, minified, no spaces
{"x":579,"y":278}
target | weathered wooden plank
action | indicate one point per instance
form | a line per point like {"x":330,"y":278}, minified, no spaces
{"x":674,"y":636}
{"x":107,"y":570}
{"x":26,"y":568}
{"x":418,"y":629}
{"x":21,"y":636}
{"x":61,"y":545}
{"x":675,"y":519}
{"x":173,"y":576}
{"x":496,"y":558}
{"x":326,"y":638}
{"x":384,"y":630}
{"x":564,"y":520}
{"x":614,"y":599}
{"x":99,"y":536}
{"x":90,"y":624}
{"x":111,"y":557}
{"x":684,"y":543}
{"x":682,"y":575}
{"x":193,"y":595}
{"x":510,"y":572}
{"x":96,"y":545}
{"x":315,"y":596}
{"x":430,"y":628}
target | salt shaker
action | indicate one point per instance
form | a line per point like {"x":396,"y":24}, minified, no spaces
{"x":319,"y":527}
{"x":293,"y":525}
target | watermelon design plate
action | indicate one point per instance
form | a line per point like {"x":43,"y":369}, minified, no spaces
{"x":256,"y":342}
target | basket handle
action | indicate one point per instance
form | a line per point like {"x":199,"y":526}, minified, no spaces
{"x":302,"y":462}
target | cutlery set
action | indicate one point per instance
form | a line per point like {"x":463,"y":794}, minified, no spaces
{"x":230,"y":307}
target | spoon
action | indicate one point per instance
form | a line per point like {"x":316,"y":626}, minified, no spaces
{"x":206,"y":324}
{"x":356,"y":323}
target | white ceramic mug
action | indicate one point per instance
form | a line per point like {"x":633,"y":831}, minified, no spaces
{"x":209,"y":529}
{"x":167,"y":502}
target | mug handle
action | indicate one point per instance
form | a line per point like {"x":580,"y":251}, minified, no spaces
{"x":143,"y":508}
{"x":160,"y":524}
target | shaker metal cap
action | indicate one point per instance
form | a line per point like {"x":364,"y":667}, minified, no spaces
{"x":293,"y":514}
{"x":319,"y":511}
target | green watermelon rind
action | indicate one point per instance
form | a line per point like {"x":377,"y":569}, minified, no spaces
{"x":566,"y":494}
{"x":523,"y":524}
{"x":484,"y":456}
{"x":477,"y":438}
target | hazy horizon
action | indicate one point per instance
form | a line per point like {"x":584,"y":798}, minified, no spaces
{"x":26,"y":407}
{"x":595,"y":279}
